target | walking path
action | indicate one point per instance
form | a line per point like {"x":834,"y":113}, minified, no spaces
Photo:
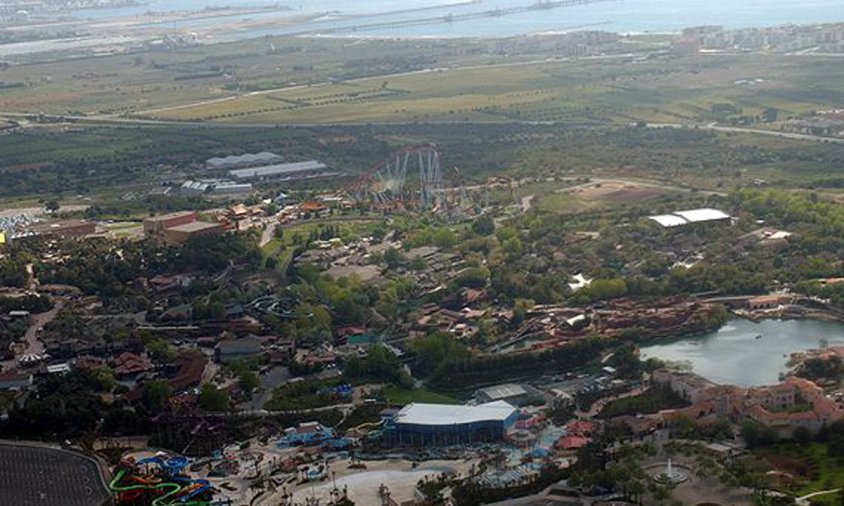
{"x":33,"y":345}
{"x":599,"y":405}
{"x":804,"y":501}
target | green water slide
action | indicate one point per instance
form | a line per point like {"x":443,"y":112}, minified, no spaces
{"x":168,"y":499}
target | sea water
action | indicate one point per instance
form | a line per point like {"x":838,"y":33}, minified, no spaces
{"x":625,"y":16}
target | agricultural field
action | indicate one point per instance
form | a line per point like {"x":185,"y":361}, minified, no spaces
{"x":292,"y":80}
{"x":606,"y":91}
{"x":132,"y":83}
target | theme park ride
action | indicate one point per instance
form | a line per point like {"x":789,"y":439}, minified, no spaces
{"x":387,"y":184}
{"x":158,"y":481}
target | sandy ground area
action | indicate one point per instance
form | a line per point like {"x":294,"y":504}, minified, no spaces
{"x":362,"y":485}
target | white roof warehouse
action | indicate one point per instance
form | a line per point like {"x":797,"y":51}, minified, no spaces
{"x":447,"y":424}
{"x":454,"y":414}
{"x":681,"y":218}
{"x":291,"y":170}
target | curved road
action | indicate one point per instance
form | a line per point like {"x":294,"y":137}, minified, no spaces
{"x":33,"y":346}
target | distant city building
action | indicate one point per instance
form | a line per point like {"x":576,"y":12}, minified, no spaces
{"x":686,"y":45}
{"x":241,"y":161}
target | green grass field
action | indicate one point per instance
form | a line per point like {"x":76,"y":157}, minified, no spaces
{"x":282,"y":248}
{"x":812,"y":465}
{"x":401,"y":396}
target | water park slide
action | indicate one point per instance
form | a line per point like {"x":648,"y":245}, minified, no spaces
{"x":179,"y":491}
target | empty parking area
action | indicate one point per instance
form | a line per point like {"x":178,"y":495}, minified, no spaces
{"x":31,"y":475}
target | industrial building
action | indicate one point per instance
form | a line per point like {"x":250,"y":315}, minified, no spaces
{"x":194,"y":188}
{"x":214,"y":188}
{"x":446,"y":424}
{"x":517,"y":395}
{"x":231,"y":188}
{"x":296,"y":170}
{"x":241,"y":161}
{"x":693,"y":216}
{"x":180,"y":234}
{"x":155,"y":226}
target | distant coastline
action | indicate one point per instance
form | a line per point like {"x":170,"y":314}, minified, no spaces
{"x":627,"y":17}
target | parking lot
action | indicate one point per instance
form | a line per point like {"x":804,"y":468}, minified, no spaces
{"x":41,"y":476}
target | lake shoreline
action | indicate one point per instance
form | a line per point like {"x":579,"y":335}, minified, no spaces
{"x":745,"y":352}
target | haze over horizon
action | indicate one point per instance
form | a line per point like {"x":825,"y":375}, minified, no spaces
{"x":627,"y":16}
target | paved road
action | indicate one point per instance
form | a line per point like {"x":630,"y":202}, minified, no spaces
{"x":756,"y":131}
{"x":599,"y":405}
{"x":32,"y":345}
{"x":273,"y":379}
{"x":135,"y":122}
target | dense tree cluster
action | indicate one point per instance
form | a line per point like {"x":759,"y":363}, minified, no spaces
{"x":108,"y":268}
{"x":31,"y":303}
{"x":12,"y":273}
{"x":71,"y":406}
{"x":379,"y":366}
{"x":460,"y":373}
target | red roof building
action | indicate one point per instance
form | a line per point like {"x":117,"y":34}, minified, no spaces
{"x":130,"y":364}
{"x":571,"y":443}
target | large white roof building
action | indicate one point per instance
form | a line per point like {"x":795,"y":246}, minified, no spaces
{"x":453,"y":414}
{"x":292,"y":170}
{"x":247,"y":160}
{"x":681,"y":218}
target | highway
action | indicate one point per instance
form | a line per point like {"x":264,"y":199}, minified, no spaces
{"x":757,"y":131}
{"x":135,"y":122}
{"x":26,"y":122}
